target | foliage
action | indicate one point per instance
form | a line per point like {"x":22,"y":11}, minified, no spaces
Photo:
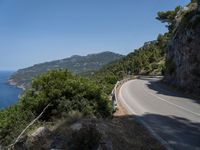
{"x":64,"y":91}
{"x":193,"y":1}
{"x":67,"y":92}
{"x":12,"y":120}
{"x":76,"y":64}
{"x":169,"y":17}
{"x":148,"y":59}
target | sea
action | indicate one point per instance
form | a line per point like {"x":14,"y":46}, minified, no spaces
{"x":9,"y":94}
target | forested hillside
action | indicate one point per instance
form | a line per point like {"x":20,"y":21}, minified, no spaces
{"x":64,"y":93}
{"x":147,"y":60}
{"x":76,"y":64}
{"x":174,"y":54}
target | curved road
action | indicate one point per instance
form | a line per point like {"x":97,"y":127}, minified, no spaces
{"x":173,"y":118}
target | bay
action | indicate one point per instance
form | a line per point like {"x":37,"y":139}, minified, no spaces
{"x":8,"y":93}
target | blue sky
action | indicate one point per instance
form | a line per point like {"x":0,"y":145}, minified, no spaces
{"x":35,"y":31}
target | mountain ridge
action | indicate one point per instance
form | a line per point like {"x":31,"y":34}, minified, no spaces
{"x":76,"y":63}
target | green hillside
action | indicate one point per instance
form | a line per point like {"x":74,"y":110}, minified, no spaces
{"x":76,"y":64}
{"x":147,"y":60}
{"x":64,"y":92}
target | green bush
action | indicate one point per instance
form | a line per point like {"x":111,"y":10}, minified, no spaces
{"x":64,"y":91}
{"x":12,"y":121}
{"x":144,"y":60}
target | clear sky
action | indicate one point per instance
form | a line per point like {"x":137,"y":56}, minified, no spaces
{"x":35,"y":31}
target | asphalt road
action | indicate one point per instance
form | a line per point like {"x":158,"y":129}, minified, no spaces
{"x":171,"y":116}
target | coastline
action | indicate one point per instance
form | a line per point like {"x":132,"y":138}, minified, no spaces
{"x":14,"y":83}
{"x":9,"y":91}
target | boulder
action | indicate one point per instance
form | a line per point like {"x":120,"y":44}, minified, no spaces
{"x":76,"y":126}
{"x":40,"y":132}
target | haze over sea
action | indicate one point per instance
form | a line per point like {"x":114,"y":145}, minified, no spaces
{"x":8,"y":93}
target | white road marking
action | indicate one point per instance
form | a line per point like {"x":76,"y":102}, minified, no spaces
{"x":180,"y":107}
{"x":122,"y":98}
{"x":158,"y":137}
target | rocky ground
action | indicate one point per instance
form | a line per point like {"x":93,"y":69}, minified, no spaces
{"x":122,"y":132}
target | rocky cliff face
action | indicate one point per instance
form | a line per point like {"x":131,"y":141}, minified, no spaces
{"x":183,"y":54}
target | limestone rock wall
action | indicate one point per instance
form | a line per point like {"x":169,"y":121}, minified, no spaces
{"x":183,"y":56}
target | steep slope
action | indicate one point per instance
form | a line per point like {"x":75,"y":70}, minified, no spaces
{"x":147,"y":60}
{"x":76,"y":64}
{"x":183,"y":51}
{"x":174,"y":54}
{"x":59,"y":93}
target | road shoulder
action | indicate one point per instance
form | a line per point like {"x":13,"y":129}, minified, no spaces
{"x":135,"y":135}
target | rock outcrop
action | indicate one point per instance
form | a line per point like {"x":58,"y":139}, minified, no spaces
{"x":183,"y":54}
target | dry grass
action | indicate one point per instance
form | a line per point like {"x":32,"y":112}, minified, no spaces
{"x":123,"y":132}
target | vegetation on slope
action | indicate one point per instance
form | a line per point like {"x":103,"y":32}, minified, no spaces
{"x":147,"y":60}
{"x":67,"y":92}
{"x":64,"y":91}
{"x":76,"y":64}
{"x":150,"y":59}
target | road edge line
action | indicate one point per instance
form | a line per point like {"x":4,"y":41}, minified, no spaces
{"x":152,"y":132}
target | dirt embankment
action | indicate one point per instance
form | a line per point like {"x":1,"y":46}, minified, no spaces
{"x":122,"y":132}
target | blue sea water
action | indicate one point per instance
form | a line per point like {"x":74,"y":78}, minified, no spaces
{"x":8,"y":94}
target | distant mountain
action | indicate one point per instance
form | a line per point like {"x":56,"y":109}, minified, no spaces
{"x":77,"y":64}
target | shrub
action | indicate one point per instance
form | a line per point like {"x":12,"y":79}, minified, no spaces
{"x":65,"y":92}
